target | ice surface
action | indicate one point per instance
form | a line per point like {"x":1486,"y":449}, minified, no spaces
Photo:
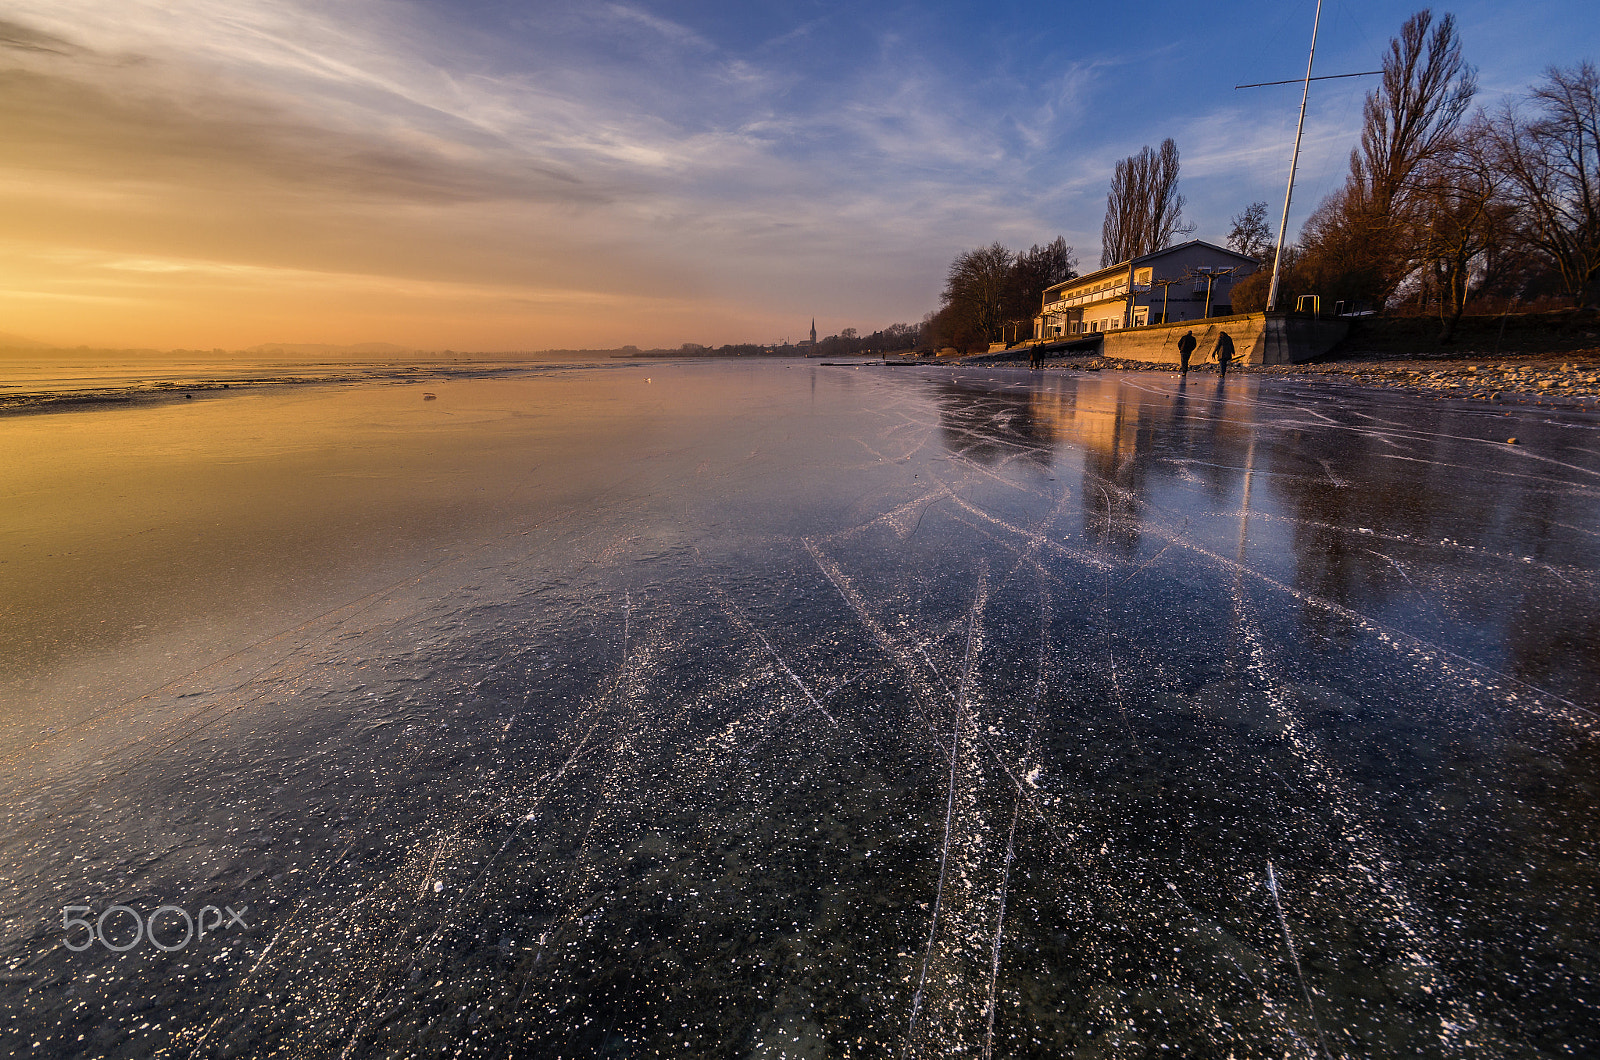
{"x":779,"y":710}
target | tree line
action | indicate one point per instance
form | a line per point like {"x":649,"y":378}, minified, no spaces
{"x":1445,"y":205}
{"x":992,"y":294}
{"x":896,"y":338}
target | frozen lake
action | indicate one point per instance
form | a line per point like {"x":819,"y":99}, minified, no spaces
{"x":780,"y":710}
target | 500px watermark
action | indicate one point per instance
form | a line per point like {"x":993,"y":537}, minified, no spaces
{"x":168,"y":928}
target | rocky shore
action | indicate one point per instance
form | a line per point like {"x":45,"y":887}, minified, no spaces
{"x":1569,"y":380}
{"x":1549,"y":359}
{"x":1572,"y":381}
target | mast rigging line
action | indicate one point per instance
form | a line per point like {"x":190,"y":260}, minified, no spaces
{"x":1302,"y":80}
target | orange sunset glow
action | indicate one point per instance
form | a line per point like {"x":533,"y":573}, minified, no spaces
{"x":228,"y":174}
{"x":461,"y":174}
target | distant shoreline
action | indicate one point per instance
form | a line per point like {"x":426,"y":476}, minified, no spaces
{"x":215,"y":380}
{"x":109,"y":379}
{"x":1569,"y":381}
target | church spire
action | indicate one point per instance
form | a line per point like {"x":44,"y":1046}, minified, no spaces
{"x":813,"y":331}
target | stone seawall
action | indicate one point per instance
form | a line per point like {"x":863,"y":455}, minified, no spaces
{"x":1282,"y":338}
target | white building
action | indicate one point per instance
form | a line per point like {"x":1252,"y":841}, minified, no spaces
{"x":1187,"y":282}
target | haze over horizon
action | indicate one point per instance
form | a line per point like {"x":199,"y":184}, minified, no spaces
{"x":473,"y":174}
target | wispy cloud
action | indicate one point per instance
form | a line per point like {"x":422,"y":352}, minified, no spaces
{"x":630,"y":16}
{"x":354,"y":138}
{"x":756,"y":164}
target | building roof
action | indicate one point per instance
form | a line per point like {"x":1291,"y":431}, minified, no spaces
{"x":1124,"y":266}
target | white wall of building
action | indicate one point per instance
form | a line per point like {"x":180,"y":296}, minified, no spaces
{"x":1078,"y":312}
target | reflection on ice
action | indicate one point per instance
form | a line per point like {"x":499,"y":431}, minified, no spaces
{"x":814,"y":713}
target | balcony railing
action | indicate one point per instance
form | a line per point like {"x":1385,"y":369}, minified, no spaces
{"x":1089,"y":297}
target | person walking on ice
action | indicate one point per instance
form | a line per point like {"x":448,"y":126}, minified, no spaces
{"x":1224,"y":352}
{"x":1186,"y":347}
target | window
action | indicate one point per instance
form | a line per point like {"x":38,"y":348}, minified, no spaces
{"x":1142,"y":277}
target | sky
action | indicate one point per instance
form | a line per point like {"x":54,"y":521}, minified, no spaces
{"x":498,"y":175}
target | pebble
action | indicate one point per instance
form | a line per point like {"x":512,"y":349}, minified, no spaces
{"x":1530,"y":378}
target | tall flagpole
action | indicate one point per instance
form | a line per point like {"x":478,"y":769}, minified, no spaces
{"x":1294,"y":162}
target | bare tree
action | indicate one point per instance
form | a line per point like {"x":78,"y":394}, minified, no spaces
{"x":1046,"y":266}
{"x":1358,"y":236}
{"x":1463,"y":222}
{"x":1344,"y":256}
{"x":1413,"y":115}
{"x":1251,"y":235}
{"x":1552,"y":163}
{"x":977,"y":287}
{"x":1036,"y":269}
{"x":1143,"y":210}
{"x":949,"y":327}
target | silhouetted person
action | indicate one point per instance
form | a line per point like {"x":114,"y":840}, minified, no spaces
{"x":1224,"y":352}
{"x":1035,"y":358}
{"x":1186,"y":347}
